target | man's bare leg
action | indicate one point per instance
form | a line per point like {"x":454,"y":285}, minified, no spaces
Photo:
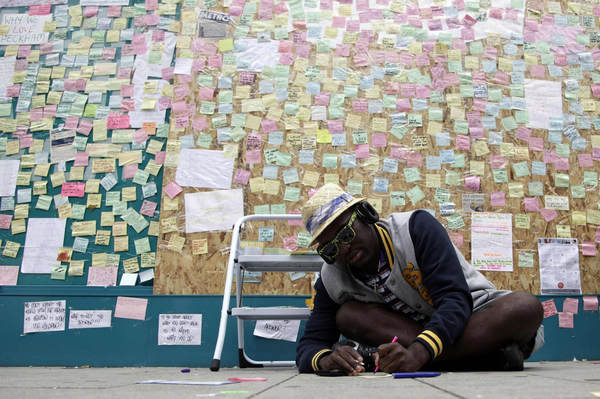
{"x":513,"y":318}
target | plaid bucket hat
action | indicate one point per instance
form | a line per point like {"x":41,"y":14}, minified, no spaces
{"x":325,"y":206}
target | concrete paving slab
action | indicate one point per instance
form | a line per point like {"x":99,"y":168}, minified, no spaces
{"x":544,"y":380}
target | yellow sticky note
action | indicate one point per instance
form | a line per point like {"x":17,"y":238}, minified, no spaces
{"x":200,"y":246}
{"x":225,"y":45}
{"x":578,"y":218}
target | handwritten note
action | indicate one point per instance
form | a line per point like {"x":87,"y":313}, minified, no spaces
{"x":44,"y":316}
{"x":89,"y":319}
{"x":42,"y":243}
{"x":25,"y":29}
{"x":179,"y":329}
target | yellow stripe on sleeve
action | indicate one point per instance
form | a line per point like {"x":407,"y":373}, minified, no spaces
{"x":430,"y":343}
{"x":316,"y":357}
{"x":386,"y":245}
{"x":436,"y":338}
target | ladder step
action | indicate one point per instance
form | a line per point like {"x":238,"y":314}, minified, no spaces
{"x":271,"y":313}
{"x":281,"y":263}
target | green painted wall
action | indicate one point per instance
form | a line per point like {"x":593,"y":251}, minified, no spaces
{"x":134,"y":343}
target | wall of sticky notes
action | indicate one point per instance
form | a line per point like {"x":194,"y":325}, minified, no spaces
{"x":80,"y":155}
{"x":451,"y":106}
{"x":447,"y":105}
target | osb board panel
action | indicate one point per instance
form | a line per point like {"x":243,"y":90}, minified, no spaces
{"x":205,"y":273}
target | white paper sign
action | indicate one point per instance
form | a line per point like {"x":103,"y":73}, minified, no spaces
{"x":491,"y":241}
{"x":43,"y":240}
{"x":257,"y":55}
{"x":179,"y":329}
{"x":285,"y":330}
{"x":7,"y":70}
{"x":544,"y":100}
{"x":213,"y":210}
{"x":89,"y":318}
{"x":25,"y":29}
{"x":9,"y":169}
{"x":204,"y":168}
{"x":44,"y":316}
{"x":559,"y":266}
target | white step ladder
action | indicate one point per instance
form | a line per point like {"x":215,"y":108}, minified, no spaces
{"x":268,"y":263}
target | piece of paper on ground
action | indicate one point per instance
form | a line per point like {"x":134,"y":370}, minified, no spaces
{"x":204,"y":168}
{"x":213,"y":210}
{"x":44,"y":238}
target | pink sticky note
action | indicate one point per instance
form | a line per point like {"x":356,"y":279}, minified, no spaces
{"x":253,"y":156}
{"x":463,"y":142}
{"x":241,"y":176}
{"x":85,"y":127}
{"x":565,"y":320}
{"x":126,"y":90}
{"x":571,"y":305}
{"x":81,"y":159}
{"x":131,"y":308}
{"x":362,"y":151}
{"x":10,"y":274}
{"x":5,"y":221}
{"x":140,"y":135}
{"x":585,"y":160}
{"x":73,"y":189}
{"x":548,"y":214}
{"x":290,"y":243}
{"x":379,"y":139}
{"x":172,"y":189}
{"x":130,"y":170}
{"x":532,"y":204}
{"x":588,"y":248}
{"x":215,"y":61}
{"x":549,"y":308}
{"x":100,"y":276}
{"x":148,"y":208}
{"x":268,"y":125}
{"x":403,"y":104}
{"x":457,"y":238}
{"x":159,"y":157}
{"x":117,"y":122}
{"x":589,"y":302}
{"x":472,"y":183}
{"x":498,"y":198}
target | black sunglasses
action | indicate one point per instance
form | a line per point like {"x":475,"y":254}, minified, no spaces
{"x":331,"y":249}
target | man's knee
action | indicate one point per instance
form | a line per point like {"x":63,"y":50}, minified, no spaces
{"x":529,"y":307}
{"x":349,"y":317}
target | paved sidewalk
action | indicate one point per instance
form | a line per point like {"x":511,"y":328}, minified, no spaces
{"x":545,"y":380}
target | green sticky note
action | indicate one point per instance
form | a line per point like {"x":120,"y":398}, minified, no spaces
{"x":577,"y":191}
{"x":397,"y":198}
{"x":207,"y":107}
{"x":500,"y":175}
{"x":509,"y":123}
{"x":58,"y":272}
{"x":494,"y":94}
{"x":466,"y":91}
{"x":90,"y":110}
{"x":142,"y":245}
{"x":412,"y":175}
{"x":303,"y":239}
{"x":521,"y":169}
{"x":452,"y":178}
{"x":278,"y":209}
{"x":561,"y":180}
{"x":355,"y":187}
{"x":238,"y":120}
{"x":525,"y":259}
{"x":6,"y":109}
{"x":522,"y":117}
{"x":330,"y":160}
{"x":590,"y":179}
{"x":415,"y":194}
{"x":141,"y":177}
{"x":476,"y":48}
{"x":563,"y":150}
{"x":261,"y":209}
{"x":78,"y":211}
{"x":204,"y":140}
{"x":536,"y":188}
{"x":436,"y":114}
{"x":292,"y":194}
{"x":43,"y":202}
{"x":459,"y":161}
{"x":283,"y":158}
{"x":455,"y":221}
{"x":461,"y":127}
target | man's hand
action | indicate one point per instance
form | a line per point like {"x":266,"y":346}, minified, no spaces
{"x":394,"y":357}
{"x":343,"y":358}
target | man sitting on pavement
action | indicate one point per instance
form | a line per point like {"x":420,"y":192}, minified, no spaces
{"x":402,"y":279}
